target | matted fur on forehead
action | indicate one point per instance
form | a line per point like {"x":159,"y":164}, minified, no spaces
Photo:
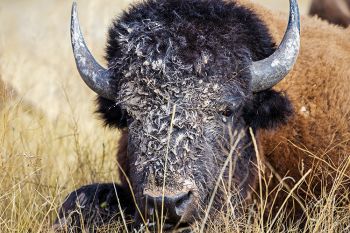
{"x":171,"y":41}
{"x":151,"y":49}
{"x":186,"y":36}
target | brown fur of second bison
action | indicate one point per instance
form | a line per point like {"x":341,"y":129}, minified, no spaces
{"x":318,"y":135}
{"x":334,"y":11}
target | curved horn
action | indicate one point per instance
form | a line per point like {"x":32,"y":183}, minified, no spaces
{"x":268,"y":72}
{"x":94,"y":75}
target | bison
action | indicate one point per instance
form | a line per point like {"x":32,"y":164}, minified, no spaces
{"x":334,"y":11}
{"x":193,"y":84}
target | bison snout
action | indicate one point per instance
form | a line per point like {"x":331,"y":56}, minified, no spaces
{"x":177,"y":207}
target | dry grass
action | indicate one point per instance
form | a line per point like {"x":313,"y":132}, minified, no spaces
{"x":50,"y":142}
{"x":41,"y":161}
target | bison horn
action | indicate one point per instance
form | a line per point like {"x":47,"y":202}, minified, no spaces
{"x":268,"y":72}
{"x":94,"y":75}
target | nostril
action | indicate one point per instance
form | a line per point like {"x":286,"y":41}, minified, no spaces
{"x":183,"y":198}
{"x":175,"y":206}
{"x":183,"y":202}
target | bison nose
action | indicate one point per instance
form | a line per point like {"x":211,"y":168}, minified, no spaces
{"x":174,"y":206}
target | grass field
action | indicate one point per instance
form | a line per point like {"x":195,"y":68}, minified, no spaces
{"x":51,"y":143}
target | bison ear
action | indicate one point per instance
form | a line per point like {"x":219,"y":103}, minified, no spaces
{"x":112,"y":114}
{"x":268,"y":110}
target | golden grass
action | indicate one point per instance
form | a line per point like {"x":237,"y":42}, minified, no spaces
{"x":50,"y":142}
{"x":41,"y":161}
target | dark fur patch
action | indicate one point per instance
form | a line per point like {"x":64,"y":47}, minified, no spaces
{"x":230,"y":33}
{"x":111,"y":113}
{"x":93,"y":206}
{"x":268,"y":110}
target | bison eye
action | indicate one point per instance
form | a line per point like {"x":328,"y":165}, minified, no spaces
{"x":228,"y":112}
{"x":130,"y":119}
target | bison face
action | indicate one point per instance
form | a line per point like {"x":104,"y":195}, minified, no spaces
{"x":181,"y":135}
{"x":188,"y":79}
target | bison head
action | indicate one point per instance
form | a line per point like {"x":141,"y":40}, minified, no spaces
{"x":187,"y":80}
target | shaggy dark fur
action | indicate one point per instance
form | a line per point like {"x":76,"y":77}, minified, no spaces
{"x":112,"y":113}
{"x":318,"y":88}
{"x":195,"y":55}
{"x":166,"y":49}
{"x":223,"y":28}
{"x":93,"y":206}
{"x":268,"y":110}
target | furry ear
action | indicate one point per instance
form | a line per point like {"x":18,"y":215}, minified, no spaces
{"x":268,"y":110}
{"x":111,"y":113}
